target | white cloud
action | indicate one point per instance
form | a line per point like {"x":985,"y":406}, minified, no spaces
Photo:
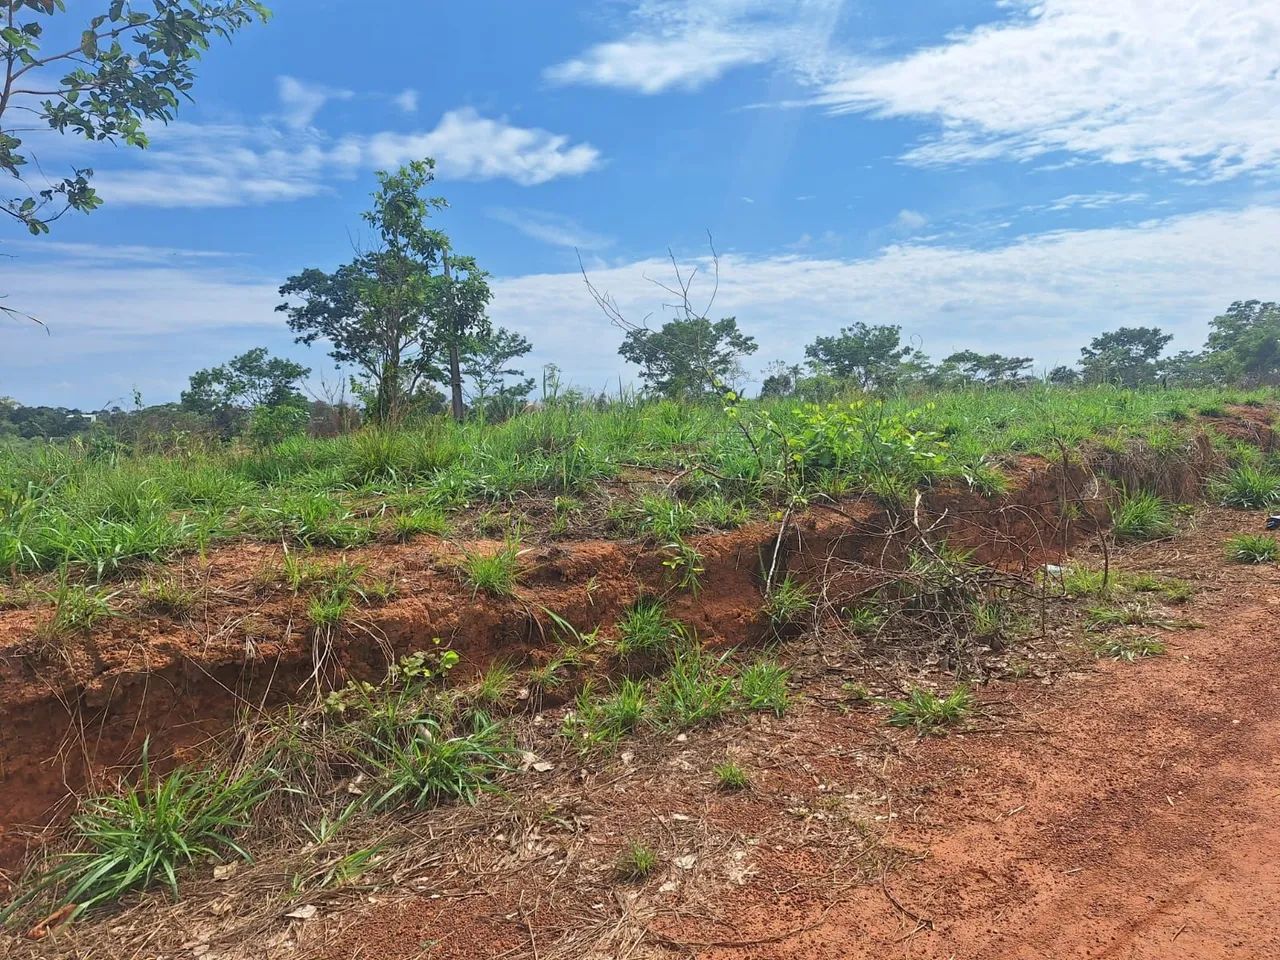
{"x":1190,"y":85}
{"x":224,"y":165}
{"x":684,"y":44}
{"x":1093,"y":201}
{"x":406,"y":100}
{"x":301,"y":101}
{"x":552,"y":228}
{"x":910,"y":220}
{"x":1042,"y":295}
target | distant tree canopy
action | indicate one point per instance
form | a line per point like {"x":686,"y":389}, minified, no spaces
{"x":690,"y":356}
{"x":1127,"y":356}
{"x":133,"y":62}
{"x":872,"y":357}
{"x":400,"y":314}
{"x":1244,"y":342}
{"x":991,"y":369}
{"x":253,"y":379}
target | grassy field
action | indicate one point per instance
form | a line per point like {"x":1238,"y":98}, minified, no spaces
{"x":98,"y":510}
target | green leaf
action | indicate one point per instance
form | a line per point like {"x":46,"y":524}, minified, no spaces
{"x":89,"y":44}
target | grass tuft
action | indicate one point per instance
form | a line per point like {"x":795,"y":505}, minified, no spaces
{"x":1247,"y":487}
{"x":927,"y":712}
{"x":1253,"y":548}
{"x":636,"y":862}
{"x":730,"y":776}
{"x":494,"y":573}
{"x":1142,"y":516}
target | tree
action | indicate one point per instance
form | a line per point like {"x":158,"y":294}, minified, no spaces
{"x":127,"y":67}
{"x":400,"y":314}
{"x":990,"y":369}
{"x":689,"y":356}
{"x":873,"y":357}
{"x":1244,"y":342}
{"x":253,"y":379}
{"x":780,"y":379}
{"x":1064,"y":376}
{"x":1126,"y":357}
{"x":486,"y":360}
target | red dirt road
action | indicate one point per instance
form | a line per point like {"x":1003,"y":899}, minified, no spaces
{"x":1143,"y":823}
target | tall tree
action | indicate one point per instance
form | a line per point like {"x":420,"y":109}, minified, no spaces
{"x":872,"y":356}
{"x":131,"y":63}
{"x":1244,"y":342}
{"x":253,"y":379}
{"x":1127,"y":356}
{"x":401,"y":313}
{"x":688,"y":356}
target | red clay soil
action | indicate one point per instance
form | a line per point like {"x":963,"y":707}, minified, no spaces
{"x":1144,"y":822}
{"x":181,"y":681}
{"x":1128,"y":811}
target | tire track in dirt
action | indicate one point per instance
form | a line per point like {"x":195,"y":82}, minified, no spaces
{"x":1145,"y":825}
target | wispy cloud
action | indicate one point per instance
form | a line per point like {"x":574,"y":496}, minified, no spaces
{"x":1189,"y":85}
{"x":685,"y":44}
{"x":551,"y":228}
{"x":301,"y":101}
{"x":406,"y":100}
{"x":224,"y":165}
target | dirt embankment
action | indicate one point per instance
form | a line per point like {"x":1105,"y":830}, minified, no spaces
{"x":181,"y":681}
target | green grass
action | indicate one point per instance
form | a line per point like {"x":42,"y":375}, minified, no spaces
{"x":927,"y":712}
{"x":76,"y":609}
{"x":434,"y":767}
{"x":145,"y":835}
{"x":731,"y":776}
{"x":165,"y":593}
{"x":495,"y":572}
{"x":106,"y":515}
{"x":1142,"y":516}
{"x":762,"y":686}
{"x":788,"y":602}
{"x":694,"y":690}
{"x":636,"y":862}
{"x":1247,"y":487}
{"x":645,"y":629}
{"x":597,"y":720}
{"x":329,"y":611}
{"x":1253,"y":548}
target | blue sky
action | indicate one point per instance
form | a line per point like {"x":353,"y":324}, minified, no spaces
{"x":1010,"y":176}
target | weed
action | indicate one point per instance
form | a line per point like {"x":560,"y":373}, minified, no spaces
{"x":76,"y":608}
{"x":926,"y":711}
{"x":763,"y":686}
{"x":432,"y":767}
{"x":1123,"y":615}
{"x":146,"y":834}
{"x":636,"y":861}
{"x":1173,"y":591}
{"x":495,"y":573}
{"x":406,"y":526}
{"x":684,"y":562}
{"x":1247,"y":487}
{"x":1130,"y":649}
{"x":857,"y":692}
{"x":328,"y":612}
{"x":1253,"y":548}
{"x":788,"y":602}
{"x":645,"y":629}
{"x":166,"y":594}
{"x":494,"y":685}
{"x":730,"y":776}
{"x":1142,"y":516}
{"x":693,"y":691}
{"x":865,"y":620}
{"x":1083,"y":582}
{"x":605,"y":719}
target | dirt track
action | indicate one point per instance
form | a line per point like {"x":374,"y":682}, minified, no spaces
{"x":1144,"y":823}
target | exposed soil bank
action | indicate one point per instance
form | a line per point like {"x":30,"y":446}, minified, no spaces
{"x":183,"y":681}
